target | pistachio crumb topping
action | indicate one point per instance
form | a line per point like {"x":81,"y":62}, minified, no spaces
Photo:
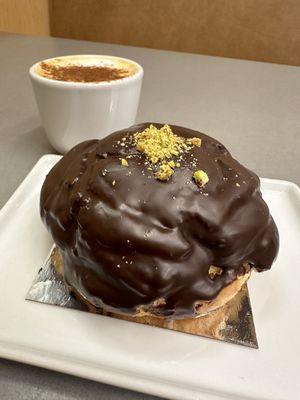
{"x":160,"y":145}
{"x":214,"y":271}
{"x":200,"y":177}
{"x":159,"y":302}
{"x":164,"y":172}
{"x":194,"y":141}
{"x":124,"y":162}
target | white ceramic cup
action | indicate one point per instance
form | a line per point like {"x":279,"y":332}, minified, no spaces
{"x":72,"y":112}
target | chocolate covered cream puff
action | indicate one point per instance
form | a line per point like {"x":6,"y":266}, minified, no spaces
{"x":157,"y":219}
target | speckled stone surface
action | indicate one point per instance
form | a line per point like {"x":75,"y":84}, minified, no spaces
{"x":25,"y":382}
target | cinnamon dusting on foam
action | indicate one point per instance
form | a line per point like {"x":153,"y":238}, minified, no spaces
{"x":86,"y":69}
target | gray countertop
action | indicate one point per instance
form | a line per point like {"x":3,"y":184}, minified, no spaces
{"x":252,"y":107}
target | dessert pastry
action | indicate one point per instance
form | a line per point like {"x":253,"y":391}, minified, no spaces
{"x":156,"y":220}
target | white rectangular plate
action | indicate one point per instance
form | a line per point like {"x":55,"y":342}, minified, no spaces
{"x":140,"y":357}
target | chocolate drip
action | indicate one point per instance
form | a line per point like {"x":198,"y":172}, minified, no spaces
{"x":128,"y":239}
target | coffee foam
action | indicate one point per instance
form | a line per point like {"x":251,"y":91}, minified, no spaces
{"x":89,"y":61}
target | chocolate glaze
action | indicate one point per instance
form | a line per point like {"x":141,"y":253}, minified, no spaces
{"x":130,"y":243}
